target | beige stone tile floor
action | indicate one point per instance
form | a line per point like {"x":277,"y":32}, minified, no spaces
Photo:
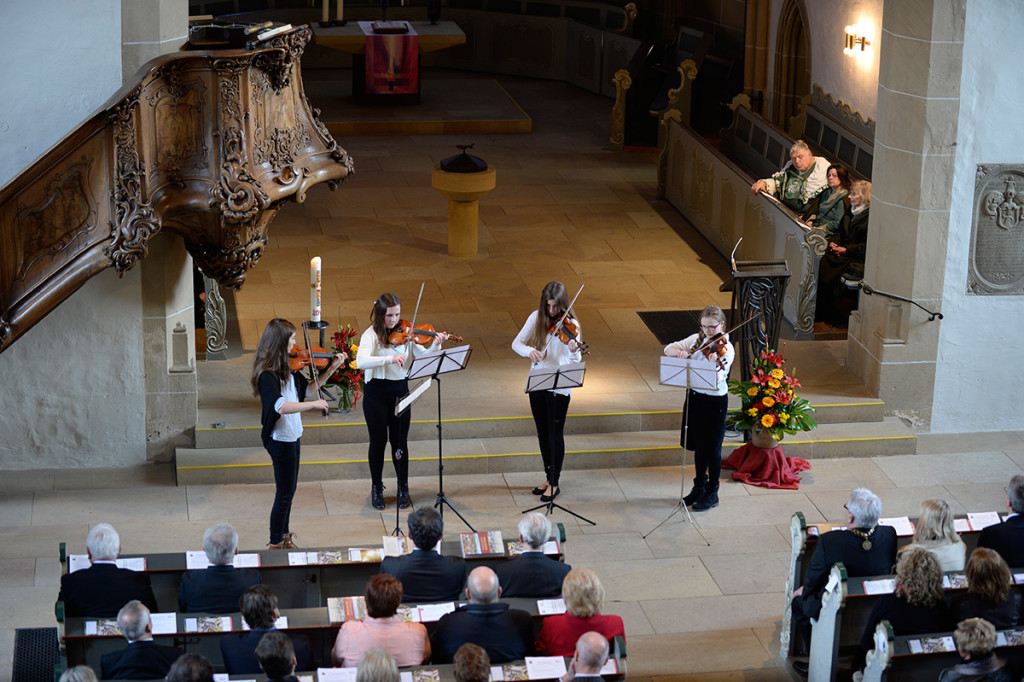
{"x":701,"y":602}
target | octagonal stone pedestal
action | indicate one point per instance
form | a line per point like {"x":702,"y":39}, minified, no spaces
{"x":464,"y":191}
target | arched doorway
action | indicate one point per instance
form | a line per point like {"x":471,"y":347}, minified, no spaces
{"x":792,"y":63}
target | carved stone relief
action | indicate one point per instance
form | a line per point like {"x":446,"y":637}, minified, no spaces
{"x":996,"y":265}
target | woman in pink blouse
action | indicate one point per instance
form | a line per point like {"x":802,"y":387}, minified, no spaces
{"x":382,"y":628}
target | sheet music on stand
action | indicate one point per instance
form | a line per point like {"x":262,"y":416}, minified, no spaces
{"x":699,"y":373}
{"x":550,"y":379}
{"x":430,"y":365}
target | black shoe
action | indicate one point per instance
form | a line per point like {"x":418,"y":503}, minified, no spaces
{"x":403,"y":496}
{"x":549,"y":498}
{"x":696,"y":493}
{"x":802,"y":668}
{"x":707,"y":501}
{"x":539,"y":491}
{"x":377,"y":496}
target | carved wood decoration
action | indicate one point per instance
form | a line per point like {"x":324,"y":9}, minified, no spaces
{"x":206,"y":144}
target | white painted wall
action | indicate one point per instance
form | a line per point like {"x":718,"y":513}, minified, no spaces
{"x":978,"y":383}
{"x":853,"y":80}
{"x":62,"y":61}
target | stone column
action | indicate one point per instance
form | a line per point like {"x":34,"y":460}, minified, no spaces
{"x":150,"y":28}
{"x":891,"y":346}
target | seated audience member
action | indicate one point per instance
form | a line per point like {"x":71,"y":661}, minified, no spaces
{"x":864,"y":548}
{"x":382,"y":628}
{"x":1007,"y":537}
{"x":590,"y":656}
{"x":975,"y":641}
{"x":142,"y":659}
{"x":505,"y":634}
{"x":935,"y":533}
{"x":276,"y":657}
{"x":532,"y":573}
{"x":259,"y":609}
{"x":217,"y":588}
{"x":377,"y":665}
{"x":584,"y":596}
{"x":832,"y":203}
{"x":844,"y":256}
{"x":426,"y":575}
{"x":191,"y":668}
{"x":799,"y":181}
{"x":917,"y":606}
{"x":103,"y":588}
{"x":988,"y":591}
{"x":79,"y":673}
{"x":471,"y":664}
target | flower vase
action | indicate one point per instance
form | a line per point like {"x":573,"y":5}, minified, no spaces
{"x":762,"y":438}
{"x":346,"y":400}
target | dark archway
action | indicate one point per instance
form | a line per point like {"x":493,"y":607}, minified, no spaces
{"x":792,"y":63}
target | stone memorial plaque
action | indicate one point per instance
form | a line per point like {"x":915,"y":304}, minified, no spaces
{"x":996,"y":265}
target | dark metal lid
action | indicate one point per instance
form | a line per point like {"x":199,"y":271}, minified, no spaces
{"x":464,"y":162}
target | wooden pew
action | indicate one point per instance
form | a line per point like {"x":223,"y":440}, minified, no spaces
{"x":298,"y":586}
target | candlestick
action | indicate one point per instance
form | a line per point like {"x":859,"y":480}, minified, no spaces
{"x":314,"y":284}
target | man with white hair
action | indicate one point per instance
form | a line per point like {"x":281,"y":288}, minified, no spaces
{"x":864,"y":548}
{"x":103,"y":588}
{"x":799,"y":181}
{"x":532,"y":573}
{"x":505,"y":634}
{"x":591,"y":655}
{"x":142,"y":659}
{"x":217,"y":588}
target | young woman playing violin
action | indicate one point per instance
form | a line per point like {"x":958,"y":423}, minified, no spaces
{"x":282,"y":393}
{"x":383,"y":358}
{"x":548,"y":347}
{"x":705,"y":410}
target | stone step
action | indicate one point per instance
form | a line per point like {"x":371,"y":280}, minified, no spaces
{"x":350,"y":428}
{"x":505,"y":453}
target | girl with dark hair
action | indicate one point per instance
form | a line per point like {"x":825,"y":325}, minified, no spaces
{"x":832,"y":203}
{"x":705,"y":409}
{"x":282,"y":394}
{"x":384,"y":369}
{"x":549,"y":408}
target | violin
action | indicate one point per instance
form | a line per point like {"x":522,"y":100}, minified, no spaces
{"x":715,"y":349}
{"x":424,"y":334}
{"x":567,"y":331}
{"x":316,"y":356}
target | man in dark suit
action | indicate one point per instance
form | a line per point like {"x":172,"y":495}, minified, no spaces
{"x":591,"y":655}
{"x":864,"y":548}
{"x":505,"y":634}
{"x":142,"y":659}
{"x":217,"y":588}
{"x":532,"y":573}
{"x":259,"y":609}
{"x":425,"y":575}
{"x":1007,"y":537}
{"x":276,"y":657}
{"x":103,"y":588}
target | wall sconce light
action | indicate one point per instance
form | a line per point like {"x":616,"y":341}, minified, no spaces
{"x":854,"y":38}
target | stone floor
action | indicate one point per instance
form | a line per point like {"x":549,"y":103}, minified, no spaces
{"x":565,"y":208}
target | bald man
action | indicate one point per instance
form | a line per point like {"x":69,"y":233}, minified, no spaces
{"x":505,"y":634}
{"x":591,"y":655}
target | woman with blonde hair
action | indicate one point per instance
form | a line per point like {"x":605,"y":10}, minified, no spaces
{"x":936,"y":534}
{"x":975,"y":642}
{"x":988,"y":591}
{"x":584,"y":596}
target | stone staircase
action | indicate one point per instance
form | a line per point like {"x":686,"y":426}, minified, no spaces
{"x":847,"y":427}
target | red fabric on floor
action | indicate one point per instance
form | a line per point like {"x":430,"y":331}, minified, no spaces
{"x":766,"y":468}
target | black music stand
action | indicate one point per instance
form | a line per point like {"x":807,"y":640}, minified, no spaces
{"x":547,"y":379}
{"x":688,"y":373}
{"x":432,"y":366}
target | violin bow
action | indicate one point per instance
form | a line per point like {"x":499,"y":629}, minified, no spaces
{"x":711,"y":340}
{"x":562,"y":319}
{"x":409,"y":345}
{"x":312,"y":367}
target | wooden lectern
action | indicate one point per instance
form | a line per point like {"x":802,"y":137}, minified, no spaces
{"x":758,"y":287}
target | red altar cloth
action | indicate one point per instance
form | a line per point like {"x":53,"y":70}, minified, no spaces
{"x":767,"y":468}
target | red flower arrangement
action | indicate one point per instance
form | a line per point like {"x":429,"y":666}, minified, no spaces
{"x":347,"y":378}
{"x":769,"y":400}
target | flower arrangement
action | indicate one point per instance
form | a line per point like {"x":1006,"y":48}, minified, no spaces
{"x":347,"y":378}
{"x":769,"y":402}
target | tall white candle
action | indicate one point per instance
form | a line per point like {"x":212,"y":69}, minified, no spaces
{"x":314,"y":285}
{"x":327,"y":10}
{"x":341,"y":9}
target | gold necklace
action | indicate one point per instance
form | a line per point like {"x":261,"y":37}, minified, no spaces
{"x":866,"y":545}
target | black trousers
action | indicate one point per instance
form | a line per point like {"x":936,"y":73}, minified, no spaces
{"x":379,"y":402}
{"x":549,"y":410}
{"x":705,"y":415}
{"x":285,"y":457}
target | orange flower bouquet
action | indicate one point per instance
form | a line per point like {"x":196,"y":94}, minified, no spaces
{"x":348,"y":378}
{"x":769,"y":402}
